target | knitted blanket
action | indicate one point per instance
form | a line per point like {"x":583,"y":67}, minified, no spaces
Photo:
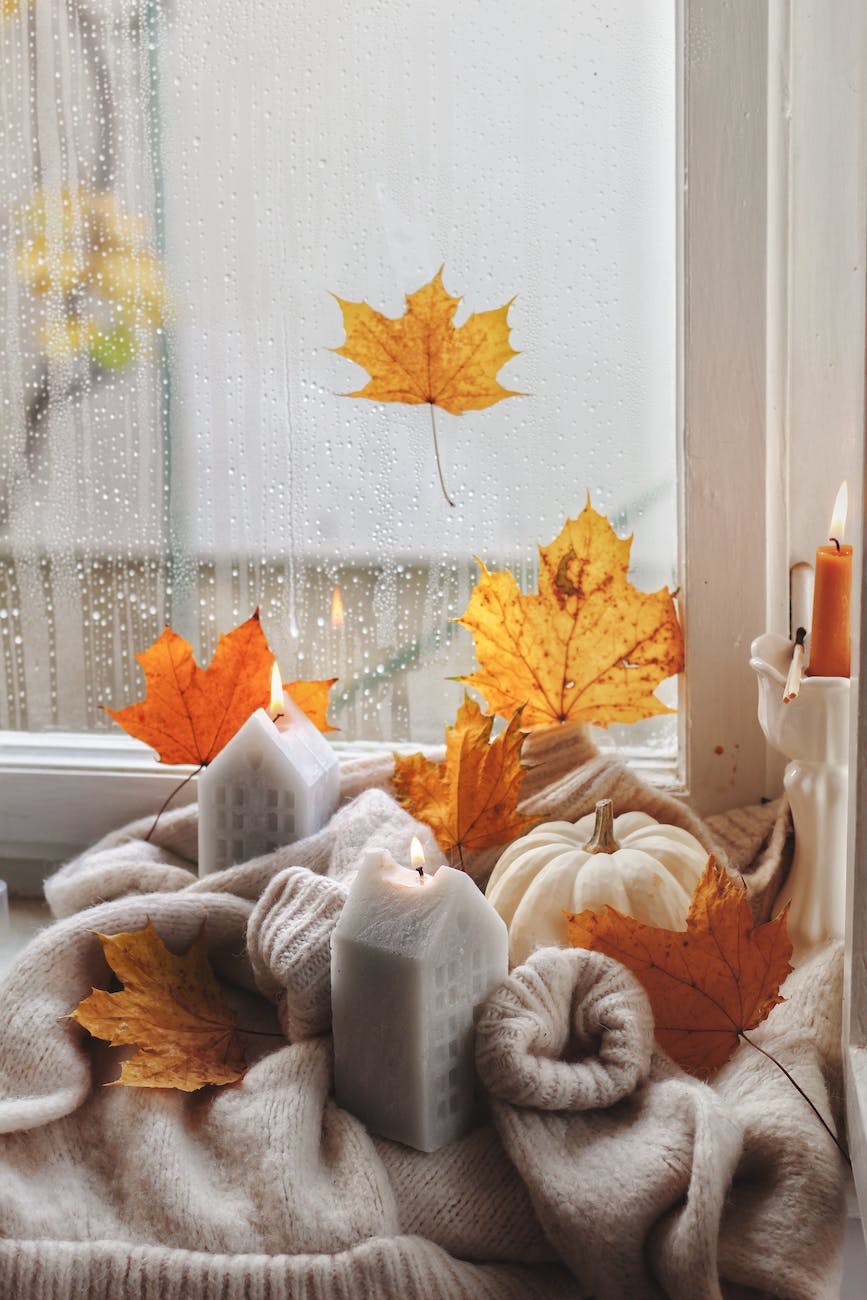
{"x":603,"y":1170}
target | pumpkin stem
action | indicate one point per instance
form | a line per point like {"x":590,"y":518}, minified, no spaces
{"x":602,"y":840}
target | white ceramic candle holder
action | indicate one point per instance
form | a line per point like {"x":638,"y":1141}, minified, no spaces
{"x":812,"y":730}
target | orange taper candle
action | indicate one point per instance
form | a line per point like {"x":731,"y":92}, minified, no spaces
{"x":830,"y":636}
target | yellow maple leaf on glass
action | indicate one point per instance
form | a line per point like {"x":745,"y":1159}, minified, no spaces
{"x":422,"y":357}
{"x":587,"y":647}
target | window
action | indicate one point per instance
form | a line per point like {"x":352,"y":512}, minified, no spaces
{"x":189,"y":192}
{"x":182,"y":198}
{"x":214,"y":349}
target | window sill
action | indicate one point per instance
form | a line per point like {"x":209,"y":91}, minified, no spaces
{"x":60,"y":792}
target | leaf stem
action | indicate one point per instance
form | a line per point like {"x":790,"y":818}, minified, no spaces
{"x":433,"y":425}
{"x":832,"y":1135}
{"x":177,"y":790}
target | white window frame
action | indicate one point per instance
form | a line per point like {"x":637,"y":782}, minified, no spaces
{"x":754,"y":225}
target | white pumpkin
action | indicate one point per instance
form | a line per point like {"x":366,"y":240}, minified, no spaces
{"x":640,"y":866}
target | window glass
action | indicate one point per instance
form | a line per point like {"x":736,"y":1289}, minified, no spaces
{"x":185,"y":187}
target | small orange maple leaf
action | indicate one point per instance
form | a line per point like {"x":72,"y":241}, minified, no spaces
{"x":312,"y":699}
{"x":189,"y":713}
{"x":421,"y":356}
{"x":171,"y":1008}
{"x":470,"y":800}
{"x":707,"y":984}
{"x":588,"y":647}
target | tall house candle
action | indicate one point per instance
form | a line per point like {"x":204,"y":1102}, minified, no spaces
{"x":830,"y":634}
{"x":412,"y":958}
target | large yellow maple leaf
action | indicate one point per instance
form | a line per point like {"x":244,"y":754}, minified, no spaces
{"x":470,"y":800}
{"x":171,"y":1008}
{"x":421,"y":356}
{"x":707,"y":984}
{"x":588,"y":647}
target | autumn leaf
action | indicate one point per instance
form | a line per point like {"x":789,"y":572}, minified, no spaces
{"x":588,"y":647}
{"x":707,"y":984}
{"x":421,"y":356}
{"x":189,"y":713}
{"x":312,"y":699}
{"x":470,"y":800}
{"x":171,"y":1008}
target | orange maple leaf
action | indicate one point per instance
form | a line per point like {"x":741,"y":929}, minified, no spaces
{"x":470,"y":800}
{"x":171,"y":1008}
{"x":707,"y":984}
{"x":312,"y":699}
{"x":189,"y":713}
{"x":421,"y":356}
{"x":589,"y":647}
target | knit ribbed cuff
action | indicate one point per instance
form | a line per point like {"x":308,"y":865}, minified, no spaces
{"x":387,"y":1268}
{"x":568,"y":1030}
{"x":289,"y":942}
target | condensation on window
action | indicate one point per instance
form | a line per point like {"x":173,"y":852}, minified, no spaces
{"x":185,"y":187}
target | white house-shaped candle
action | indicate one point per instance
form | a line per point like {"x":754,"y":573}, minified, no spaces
{"x":412,"y":958}
{"x":276,"y":781}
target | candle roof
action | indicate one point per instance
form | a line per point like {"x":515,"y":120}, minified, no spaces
{"x":389,"y":907}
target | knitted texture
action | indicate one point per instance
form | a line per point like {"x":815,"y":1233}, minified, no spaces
{"x":648,"y":1180}
{"x":534,"y":1035}
{"x":604,"y":1168}
{"x":289,"y":942}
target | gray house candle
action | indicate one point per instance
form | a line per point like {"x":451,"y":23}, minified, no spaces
{"x":412,"y":958}
{"x":275,"y":782}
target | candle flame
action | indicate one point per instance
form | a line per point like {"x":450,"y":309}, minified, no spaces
{"x":838,"y":518}
{"x":336,"y":608}
{"x":416,"y":856}
{"x":275,"y":708}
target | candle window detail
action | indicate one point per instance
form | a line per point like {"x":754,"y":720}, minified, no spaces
{"x":275,"y":782}
{"x":413,"y":957}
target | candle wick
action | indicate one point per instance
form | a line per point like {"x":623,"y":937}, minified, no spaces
{"x":800,"y":636}
{"x":420,"y":871}
{"x":836,"y":543}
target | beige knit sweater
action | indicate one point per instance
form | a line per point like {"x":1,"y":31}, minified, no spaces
{"x":603,"y":1170}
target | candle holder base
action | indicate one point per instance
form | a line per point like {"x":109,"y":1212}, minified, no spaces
{"x":812,"y":731}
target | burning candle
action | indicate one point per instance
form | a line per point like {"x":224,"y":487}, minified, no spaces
{"x":412,"y":957}
{"x":830,"y":635}
{"x":275,"y":782}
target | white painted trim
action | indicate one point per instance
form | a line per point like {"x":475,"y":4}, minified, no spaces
{"x":773,"y":330}
{"x":855,"y":977}
{"x":778,"y":275}
{"x":828,"y":412}
{"x":724,"y":356}
{"x":60,"y":792}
